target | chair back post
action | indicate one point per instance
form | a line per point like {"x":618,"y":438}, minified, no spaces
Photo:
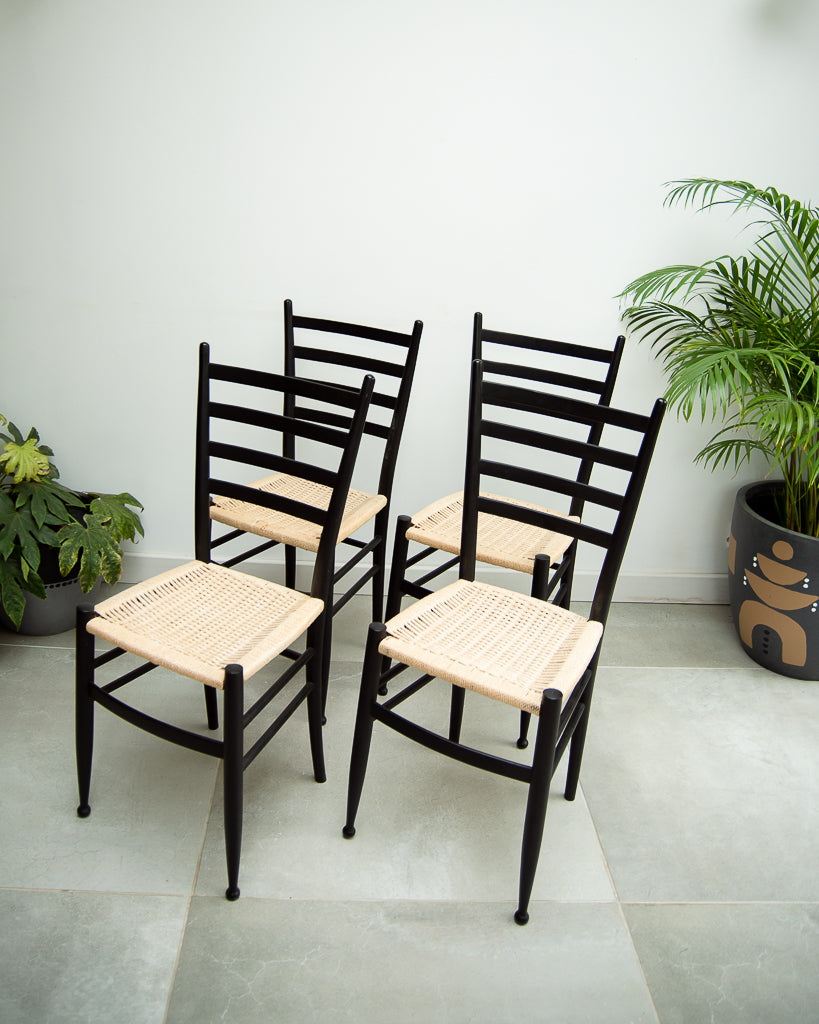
{"x":469,"y":520}
{"x":289,"y":401}
{"x":201,"y":520}
{"x":335,"y":511}
{"x":477,"y":336}
{"x":393,"y":443}
{"x":584,"y":473}
{"x":607,"y":579}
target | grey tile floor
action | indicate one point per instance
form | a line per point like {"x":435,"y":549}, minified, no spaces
{"x":681,"y":885}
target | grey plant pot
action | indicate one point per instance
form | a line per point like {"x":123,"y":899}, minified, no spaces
{"x":57,"y":612}
{"x":773,"y":586}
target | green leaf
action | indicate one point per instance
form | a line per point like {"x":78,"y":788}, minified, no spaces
{"x":101,"y":555}
{"x":19,"y":531}
{"x":24,"y":461}
{"x":122,"y":522}
{"x":12,"y":598}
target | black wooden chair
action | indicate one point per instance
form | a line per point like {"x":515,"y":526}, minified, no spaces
{"x":566,"y":368}
{"x":514,"y":648}
{"x":338,"y":352}
{"x":215,"y":624}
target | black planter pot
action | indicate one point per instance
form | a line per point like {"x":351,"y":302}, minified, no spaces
{"x":57,"y":611}
{"x":773,"y":585}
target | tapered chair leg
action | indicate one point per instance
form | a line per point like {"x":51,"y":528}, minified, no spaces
{"x":542,"y":769}
{"x":363,"y":724}
{"x":540,"y":583}
{"x":211,"y":707}
{"x":578,"y":741}
{"x":576,"y":756}
{"x":395,"y":589}
{"x":233,"y":774}
{"x":456,"y":713}
{"x":84,"y":706}
{"x":523,"y":734}
{"x":315,"y":701}
{"x":326,"y":647}
{"x":399,"y":560}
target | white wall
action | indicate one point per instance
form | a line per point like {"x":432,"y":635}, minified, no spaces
{"x":171,"y":170}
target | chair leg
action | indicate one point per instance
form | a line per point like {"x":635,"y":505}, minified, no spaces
{"x":315,"y":713}
{"x":290,"y":567}
{"x":399,"y":560}
{"x":576,"y":756}
{"x":363,"y":725}
{"x":379,"y":562}
{"x":326,"y":648}
{"x":396,"y":583}
{"x":211,"y":707}
{"x":578,"y":740}
{"x":233,"y":774}
{"x":456,"y":713}
{"x":84,"y":706}
{"x":540,"y":582}
{"x":542,"y":769}
{"x":523,"y":736}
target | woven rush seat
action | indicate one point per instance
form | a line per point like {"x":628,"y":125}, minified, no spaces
{"x":507,"y":646}
{"x":200,"y":617}
{"x":503,"y":542}
{"x":359,"y":508}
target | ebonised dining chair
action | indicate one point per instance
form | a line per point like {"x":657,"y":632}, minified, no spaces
{"x":515,"y":648}
{"x":215,"y":624}
{"x":337,"y":352}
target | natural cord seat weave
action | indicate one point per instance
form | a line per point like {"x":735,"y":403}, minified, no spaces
{"x":502,"y":542}
{"x":359,"y":508}
{"x":200,"y":617}
{"x":508,"y":646}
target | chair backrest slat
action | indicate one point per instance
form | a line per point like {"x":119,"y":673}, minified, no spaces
{"x":312,"y":323}
{"x":558,"y":445}
{"x":545,"y":521}
{"x":266,"y":499}
{"x":322,"y":355}
{"x":551,"y":482}
{"x":302,"y":387}
{"x":529,"y":400}
{"x":551,"y":377}
{"x":271,"y":461}
{"x":323,"y":416}
{"x":274,"y":421}
{"x":563,"y":348}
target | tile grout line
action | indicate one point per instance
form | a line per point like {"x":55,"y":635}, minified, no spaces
{"x":190,"y":896}
{"x":619,"y":903}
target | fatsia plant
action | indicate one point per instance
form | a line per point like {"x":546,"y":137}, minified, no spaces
{"x":38,"y":512}
{"x":738,"y":338}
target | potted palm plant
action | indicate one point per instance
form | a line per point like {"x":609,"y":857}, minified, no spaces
{"x":55,"y":543}
{"x":738,"y":338}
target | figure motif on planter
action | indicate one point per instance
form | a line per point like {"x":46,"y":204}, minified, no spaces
{"x":775,"y":600}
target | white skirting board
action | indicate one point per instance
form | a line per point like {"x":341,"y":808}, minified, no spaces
{"x":670,"y":588}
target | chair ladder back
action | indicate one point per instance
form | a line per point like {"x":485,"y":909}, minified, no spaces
{"x":397,"y":364}
{"x":207,"y":449}
{"x":529,"y":444}
{"x":603,"y":387}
